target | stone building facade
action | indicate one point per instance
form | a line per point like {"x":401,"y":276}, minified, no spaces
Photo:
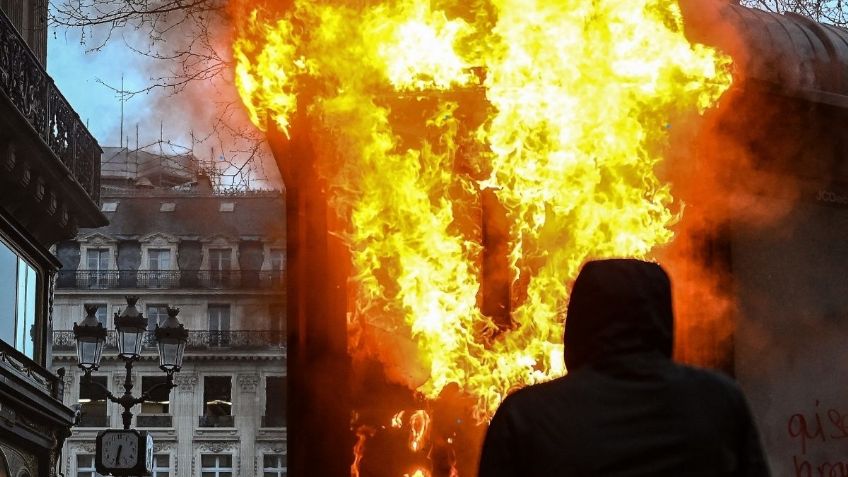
{"x":49,"y":186}
{"x":219,"y":257}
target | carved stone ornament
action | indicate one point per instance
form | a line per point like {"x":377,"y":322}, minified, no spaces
{"x":217,"y":446}
{"x":248,"y":382}
{"x":185,"y":382}
{"x":86,"y":448}
{"x":119,"y":377}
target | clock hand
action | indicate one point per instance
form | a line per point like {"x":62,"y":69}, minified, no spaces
{"x":118,"y":457}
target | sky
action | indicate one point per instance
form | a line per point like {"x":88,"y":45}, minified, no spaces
{"x":84,"y":77}
{"x":77,"y":74}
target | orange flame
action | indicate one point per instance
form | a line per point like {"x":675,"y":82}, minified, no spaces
{"x":419,"y":429}
{"x":561,"y":108}
{"x":362,"y":435}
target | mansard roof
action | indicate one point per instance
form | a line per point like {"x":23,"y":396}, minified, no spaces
{"x":192,"y":216}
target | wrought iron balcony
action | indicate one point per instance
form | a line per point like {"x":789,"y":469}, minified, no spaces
{"x":171,"y":279}
{"x":154,"y":420}
{"x":93,"y":420}
{"x":234,"y":340}
{"x":274,"y":420}
{"x":216,"y":421}
{"x":32,"y":92}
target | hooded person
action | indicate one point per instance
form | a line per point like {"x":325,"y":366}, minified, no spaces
{"x":624,"y":408}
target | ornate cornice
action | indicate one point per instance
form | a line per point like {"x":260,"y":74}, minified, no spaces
{"x":185,"y":382}
{"x":248,"y":382}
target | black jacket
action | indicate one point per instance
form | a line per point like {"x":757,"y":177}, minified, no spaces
{"x":624,"y":409}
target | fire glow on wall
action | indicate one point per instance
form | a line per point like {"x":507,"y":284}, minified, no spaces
{"x":472,"y":156}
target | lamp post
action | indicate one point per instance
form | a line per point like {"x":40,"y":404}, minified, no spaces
{"x":131,"y":326}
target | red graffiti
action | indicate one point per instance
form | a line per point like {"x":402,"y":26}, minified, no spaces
{"x":805,"y":428}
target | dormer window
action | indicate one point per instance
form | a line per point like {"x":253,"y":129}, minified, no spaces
{"x":159,"y":259}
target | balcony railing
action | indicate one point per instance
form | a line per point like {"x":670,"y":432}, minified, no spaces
{"x":30,"y":89}
{"x":154,"y":420}
{"x":216,"y":421}
{"x":274,"y":420}
{"x":93,"y":420}
{"x":236,"y":340}
{"x":170,"y":279}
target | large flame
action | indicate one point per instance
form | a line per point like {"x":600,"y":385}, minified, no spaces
{"x":560,"y":108}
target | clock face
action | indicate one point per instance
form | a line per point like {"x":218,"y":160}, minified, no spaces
{"x":119,"y":449}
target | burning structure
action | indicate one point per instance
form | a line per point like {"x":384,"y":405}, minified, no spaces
{"x":450,"y":165}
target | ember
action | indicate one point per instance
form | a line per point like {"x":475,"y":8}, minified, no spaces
{"x":420,"y":109}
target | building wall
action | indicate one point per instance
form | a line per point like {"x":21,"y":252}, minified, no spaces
{"x":249,"y":351}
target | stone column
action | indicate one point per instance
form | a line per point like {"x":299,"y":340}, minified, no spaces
{"x":246,"y":415}
{"x":185,"y":413}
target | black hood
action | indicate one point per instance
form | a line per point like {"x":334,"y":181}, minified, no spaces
{"x":618,"y":307}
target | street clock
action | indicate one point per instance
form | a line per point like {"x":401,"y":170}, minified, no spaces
{"x":124,"y":452}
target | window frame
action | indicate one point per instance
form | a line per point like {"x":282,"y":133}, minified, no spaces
{"x":90,"y":471}
{"x":218,"y":470}
{"x":154,"y":472}
{"x":281,"y":469}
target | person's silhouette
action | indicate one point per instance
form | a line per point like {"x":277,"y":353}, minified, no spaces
{"x":624,"y":408}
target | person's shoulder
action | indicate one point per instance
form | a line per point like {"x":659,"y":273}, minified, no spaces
{"x":709,"y":379}
{"x":529,"y":396}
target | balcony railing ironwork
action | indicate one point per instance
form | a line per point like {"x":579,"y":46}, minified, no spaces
{"x":31,"y":90}
{"x":170,"y":279}
{"x":236,"y":340}
{"x":93,"y":420}
{"x":216,"y":421}
{"x":274,"y":420}
{"x":154,"y":420}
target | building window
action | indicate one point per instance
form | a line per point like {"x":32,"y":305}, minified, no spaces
{"x":92,"y":401}
{"x":275,"y":402}
{"x":85,"y":466}
{"x":220,"y":263}
{"x":167,"y":207}
{"x":278,"y":259}
{"x":101,"y":312}
{"x":159,"y":259}
{"x":154,"y":411}
{"x":278,"y":263}
{"x":219,"y":325}
{"x":156,"y":315}
{"x":274,"y":465}
{"x":277,"y":312}
{"x":97,"y":259}
{"x":159,"y":400}
{"x":18,"y":301}
{"x":109,"y":206}
{"x":161,"y":465}
{"x":217,"y":391}
{"x":227,"y":207}
{"x":216,"y":465}
{"x":217,"y":402}
{"x":98,"y":263}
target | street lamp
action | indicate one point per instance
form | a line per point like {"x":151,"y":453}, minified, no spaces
{"x":131,"y":327}
{"x":90,"y":335}
{"x":171,"y":339}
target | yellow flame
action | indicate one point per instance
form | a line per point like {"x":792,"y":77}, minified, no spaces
{"x":397,"y":420}
{"x":418,"y":473}
{"x":561,"y":108}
